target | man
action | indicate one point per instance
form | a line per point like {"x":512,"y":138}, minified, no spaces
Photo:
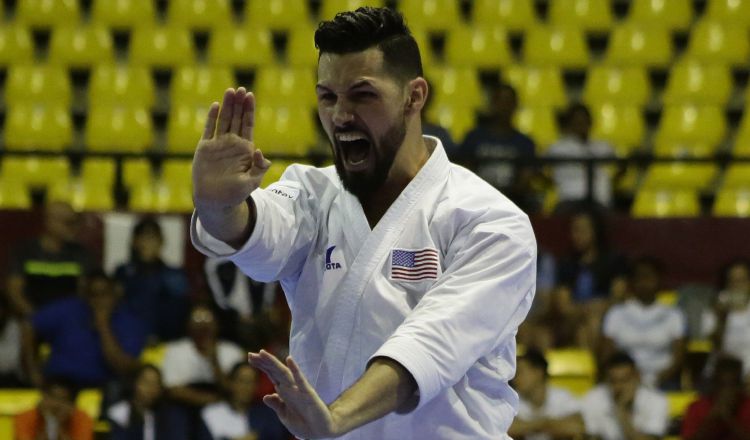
{"x":622,"y":408}
{"x":406,"y":276}
{"x":725,"y":412}
{"x":55,"y":417}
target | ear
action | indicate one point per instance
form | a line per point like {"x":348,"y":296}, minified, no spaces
{"x":417,"y":95}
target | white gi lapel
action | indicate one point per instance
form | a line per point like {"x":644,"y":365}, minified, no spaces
{"x":368,"y":260}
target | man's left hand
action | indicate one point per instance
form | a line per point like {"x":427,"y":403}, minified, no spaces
{"x":295,"y":401}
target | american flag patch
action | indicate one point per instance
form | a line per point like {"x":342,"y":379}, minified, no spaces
{"x":414,"y":265}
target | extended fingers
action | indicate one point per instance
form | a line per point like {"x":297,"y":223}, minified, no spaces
{"x":238,"y":104}
{"x":248,"y":117}
{"x":225,"y":114}
{"x":213,"y":113}
{"x":297,"y":374}
{"x":276,"y":371}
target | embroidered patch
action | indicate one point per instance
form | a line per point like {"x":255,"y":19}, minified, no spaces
{"x":285,"y":191}
{"x":414,"y":265}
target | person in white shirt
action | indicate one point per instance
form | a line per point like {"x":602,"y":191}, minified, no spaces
{"x":10,"y":346}
{"x":622,"y":408}
{"x":407,"y":276}
{"x":544,"y":411}
{"x":654,"y":334}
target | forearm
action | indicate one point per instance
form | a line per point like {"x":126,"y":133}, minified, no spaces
{"x":115,"y":356}
{"x":28,"y":349}
{"x":385,"y":387}
{"x":21,"y":306}
{"x":230,"y":224}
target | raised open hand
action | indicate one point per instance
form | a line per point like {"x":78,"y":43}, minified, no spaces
{"x":226,"y":166}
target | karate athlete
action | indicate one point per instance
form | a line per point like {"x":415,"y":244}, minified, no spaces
{"x":407,"y":276}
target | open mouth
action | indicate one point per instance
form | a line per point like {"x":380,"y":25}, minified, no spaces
{"x":355,"y":148}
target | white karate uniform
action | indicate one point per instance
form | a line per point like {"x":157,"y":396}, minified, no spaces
{"x":650,"y":413}
{"x":453,"y":328}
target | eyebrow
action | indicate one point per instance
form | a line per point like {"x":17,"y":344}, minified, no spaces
{"x":356,"y":85}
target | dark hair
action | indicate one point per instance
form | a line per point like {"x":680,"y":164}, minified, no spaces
{"x":728,"y":267}
{"x":61,"y":382}
{"x":536,"y":359}
{"x":506,"y":87}
{"x":133,"y":378}
{"x":647,"y":261}
{"x":236,"y":368}
{"x":367,"y":27}
{"x":97,"y":273}
{"x":571,"y":111}
{"x":727,"y":364}
{"x":597,"y":224}
{"x":619,"y":359}
{"x":147,"y":224}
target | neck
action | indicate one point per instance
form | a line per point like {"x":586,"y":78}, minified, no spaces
{"x":538,"y":395}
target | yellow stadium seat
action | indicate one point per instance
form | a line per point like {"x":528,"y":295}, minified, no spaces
{"x":300,"y":49}
{"x":274,"y":173}
{"x":432,"y":15}
{"x":514,"y":15}
{"x":199,"y":14}
{"x":171,"y":199}
{"x":719,"y":42}
{"x":47,"y":13}
{"x":482,"y":47}
{"x":38,"y":127}
{"x":578,"y":386}
{"x":729,"y":11}
{"x":732,"y":202}
{"x":278,"y":86}
{"x":45,"y":83}
{"x":622,"y":126}
{"x":123,"y":14}
{"x":136,"y":172}
{"x":83,"y":196}
{"x":742,"y":139}
{"x":588,"y":15}
{"x":537,"y":86}
{"x":456,"y":87}
{"x":561,"y":46}
{"x":680,"y":175}
{"x":81,"y":46}
{"x":571,"y":368}
{"x":16,"y":46}
{"x":278,"y":15}
{"x":691,"y":127}
{"x":540,"y":124}
{"x":99,"y":171}
{"x":737,"y":175}
{"x":329,"y":8}
{"x":284,"y":129}
{"x":15,"y":401}
{"x":141,"y":197}
{"x":89,"y":401}
{"x":426,"y":51}
{"x":668,"y":14}
{"x":185,"y":126}
{"x":622,"y":86}
{"x":118,"y":128}
{"x":112,"y":84}
{"x":632,"y":44}
{"x":154,"y":355}
{"x":665,"y":203}
{"x":692,"y":82}
{"x":6,"y":427}
{"x":458,"y":120}
{"x":200,"y":85}
{"x":38,"y":172}
{"x":177,"y":172}
{"x":240,"y":47}
{"x":161,"y":47}
{"x":13,"y":195}
{"x":667,"y":297}
{"x":678,"y":402}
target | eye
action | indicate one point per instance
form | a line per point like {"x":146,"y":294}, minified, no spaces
{"x":365,"y":94}
{"x":326,"y":97}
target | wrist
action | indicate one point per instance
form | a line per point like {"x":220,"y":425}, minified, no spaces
{"x":337,"y":425}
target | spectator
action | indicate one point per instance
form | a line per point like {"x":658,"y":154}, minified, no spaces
{"x":93,"y":340}
{"x":56,"y":416}
{"x":49,"y":267}
{"x":651,"y":333}
{"x":544,"y":411}
{"x":156,"y":292}
{"x":622,"y":408}
{"x":571,"y":179}
{"x":238,"y":416}
{"x":10,"y":347}
{"x":724,"y":413}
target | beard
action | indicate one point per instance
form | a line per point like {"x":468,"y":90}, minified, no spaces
{"x":363,"y":184}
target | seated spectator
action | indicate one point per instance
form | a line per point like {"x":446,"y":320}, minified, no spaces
{"x":56,"y":416}
{"x":724,"y":413}
{"x":571,"y":178}
{"x":651,"y":333}
{"x":48,"y":267}
{"x":93,"y":339}
{"x":154,"y":291}
{"x":10,"y":346}
{"x":622,"y":408}
{"x":544,"y":411}
{"x":239,"y":416}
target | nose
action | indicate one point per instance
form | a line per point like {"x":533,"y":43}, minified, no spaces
{"x":342,"y":114}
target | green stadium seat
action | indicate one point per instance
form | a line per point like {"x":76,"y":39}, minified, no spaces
{"x":161,"y":47}
{"x":200,"y":15}
{"x":514,"y":15}
{"x":480,"y":47}
{"x":588,"y":15}
{"x":240,"y":47}
{"x":672,"y":15}
{"x":47,"y":13}
{"x":123,"y":14}
{"x":81,"y":46}
{"x":118,"y":128}
{"x":16,"y":45}
{"x":112,"y":84}
{"x":557,"y":46}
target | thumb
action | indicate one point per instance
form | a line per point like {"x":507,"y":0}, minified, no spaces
{"x":259,"y":161}
{"x":274,"y":402}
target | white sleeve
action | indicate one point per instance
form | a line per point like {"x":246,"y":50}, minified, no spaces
{"x":679,"y":324}
{"x":591,"y":412}
{"x":175,"y":368}
{"x":478,"y":302}
{"x":284,"y":230}
{"x":657,"y":416}
{"x":567,"y":405}
{"x":609,"y":323}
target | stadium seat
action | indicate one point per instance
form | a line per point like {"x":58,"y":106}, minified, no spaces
{"x":622,"y":126}
{"x":742,"y":139}
{"x":13,"y":195}
{"x":432,"y":15}
{"x":678,"y":402}
{"x":588,"y":15}
{"x":16,"y":46}
{"x":154,"y":355}
{"x":665,"y":203}
{"x":112,"y":84}
{"x":99,"y":171}
{"x":571,"y":368}
{"x":38,"y":127}
{"x":123,"y":14}
{"x":185,"y":126}
{"x":719,"y":42}
{"x":285,"y":129}
{"x":136,"y":171}
{"x":47,"y":13}
{"x":426,"y":51}
{"x":329,"y":8}
{"x":692,"y":82}
{"x":729,"y":11}
{"x":559,"y":46}
{"x":540,"y":124}
{"x":6,"y":427}
{"x":199,"y":14}
{"x":622,"y":86}
{"x":82,"y":196}
{"x":167,"y":198}
{"x":456,"y":87}
{"x":14,"y":401}
{"x":679,"y":175}
{"x":481,"y":47}
{"x":672,"y":15}
{"x":161,"y":47}
{"x":80,"y":46}
{"x":200,"y":85}
{"x":274,"y":173}
{"x":90,"y":401}
{"x":278,"y":15}
{"x":240,"y":47}
{"x":632,"y":44}
{"x":737,"y":175}
{"x":537,"y":86}
{"x":36,"y":172}
{"x":177,"y":172}
{"x":300,"y":48}
{"x":514,"y":15}
{"x":691,"y":127}
{"x":38,"y":84}
{"x":732,"y":202}
{"x":118,"y":128}
{"x":278,"y":86}
{"x":457,"y":119}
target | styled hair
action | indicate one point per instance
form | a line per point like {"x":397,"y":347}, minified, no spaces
{"x":367,"y":27}
{"x":61,"y":382}
{"x":645,"y":261}
{"x":536,"y":359}
{"x":147,"y":224}
{"x":620,"y":359}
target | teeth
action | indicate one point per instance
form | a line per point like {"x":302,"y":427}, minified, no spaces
{"x":350,"y":136}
